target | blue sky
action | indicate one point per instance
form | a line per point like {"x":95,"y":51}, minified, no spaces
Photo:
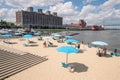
{"x":92,"y":11}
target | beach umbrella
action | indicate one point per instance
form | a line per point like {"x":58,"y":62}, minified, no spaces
{"x":72,"y":41}
{"x":67,"y":50}
{"x":99,"y":43}
{"x":27,"y":36}
{"x":58,"y":35}
{"x":68,"y":37}
{"x":53,"y":34}
{"x":6,"y":35}
{"x":37,"y":34}
{"x":47,"y":37}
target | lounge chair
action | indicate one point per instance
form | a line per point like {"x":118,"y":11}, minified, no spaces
{"x":26,"y":45}
{"x":114,"y":54}
{"x":60,"y":41}
{"x":31,"y":41}
{"x":51,"y":45}
{"x":40,"y":38}
{"x":8,"y":42}
{"x":64,"y":65}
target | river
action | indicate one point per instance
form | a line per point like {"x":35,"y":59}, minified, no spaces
{"x":112,"y":37}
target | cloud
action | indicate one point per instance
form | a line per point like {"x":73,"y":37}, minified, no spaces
{"x":27,"y":3}
{"x":86,"y":10}
{"x":109,"y":4}
{"x":66,"y":10}
{"x":8,"y":14}
{"x":87,"y":1}
{"x":99,"y":14}
{"x":90,"y":13}
{"x":1,"y":1}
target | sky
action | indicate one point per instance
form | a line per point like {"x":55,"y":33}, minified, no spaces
{"x":92,"y":11}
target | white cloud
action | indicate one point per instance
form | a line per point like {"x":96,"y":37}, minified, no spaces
{"x":87,"y":1}
{"x":91,"y":13}
{"x":99,"y":14}
{"x":110,"y":4}
{"x":66,"y":10}
{"x":86,"y":10}
{"x":27,"y":3}
{"x":8,"y":14}
{"x":1,"y":1}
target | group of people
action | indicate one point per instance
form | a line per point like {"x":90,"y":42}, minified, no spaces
{"x":47,"y":43}
{"x":102,"y":52}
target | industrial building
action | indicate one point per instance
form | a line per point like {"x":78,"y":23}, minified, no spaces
{"x":38,"y":19}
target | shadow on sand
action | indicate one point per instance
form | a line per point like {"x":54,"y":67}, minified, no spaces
{"x":79,"y":67}
{"x":107,"y":56}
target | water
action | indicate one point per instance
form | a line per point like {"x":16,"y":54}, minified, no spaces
{"x":112,"y":37}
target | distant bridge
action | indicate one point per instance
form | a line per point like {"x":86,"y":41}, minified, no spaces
{"x":112,"y":27}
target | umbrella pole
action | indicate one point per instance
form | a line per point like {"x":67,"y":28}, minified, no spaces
{"x":66,"y":58}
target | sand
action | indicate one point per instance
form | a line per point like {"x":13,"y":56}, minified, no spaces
{"x":88,"y":65}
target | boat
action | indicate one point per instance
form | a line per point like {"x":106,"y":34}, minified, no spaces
{"x":97,"y":27}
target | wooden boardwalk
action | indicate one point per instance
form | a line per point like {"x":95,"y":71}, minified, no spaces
{"x":11,"y":63}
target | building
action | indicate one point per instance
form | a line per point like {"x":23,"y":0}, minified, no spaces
{"x":37,"y":19}
{"x":81,"y":24}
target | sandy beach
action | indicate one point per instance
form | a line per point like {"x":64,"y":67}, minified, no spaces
{"x":89,"y":65}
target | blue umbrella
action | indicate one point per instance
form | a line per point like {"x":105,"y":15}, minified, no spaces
{"x":27,"y":36}
{"x":53,"y":34}
{"x":68,"y":37}
{"x":6,"y":35}
{"x":99,"y":43}
{"x":47,"y":37}
{"x":67,"y":50}
{"x":57,"y":35}
{"x":71,"y":41}
{"x":37,"y":34}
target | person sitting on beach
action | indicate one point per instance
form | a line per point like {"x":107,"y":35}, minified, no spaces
{"x":99,"y":53}
{"x":104,"y":52}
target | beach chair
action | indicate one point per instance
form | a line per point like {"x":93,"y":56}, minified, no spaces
{"x":51,"y":45}
{"x":114,"y":54}
{"x":29,"y":41}
{"x":8,"y":42}
{"x":64,"y":65}
{"x":39,"y":38}
{"x":26,"y":45}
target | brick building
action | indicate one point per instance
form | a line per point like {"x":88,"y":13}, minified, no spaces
{"x":81,"y":24}
{"x":37,"y":19}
